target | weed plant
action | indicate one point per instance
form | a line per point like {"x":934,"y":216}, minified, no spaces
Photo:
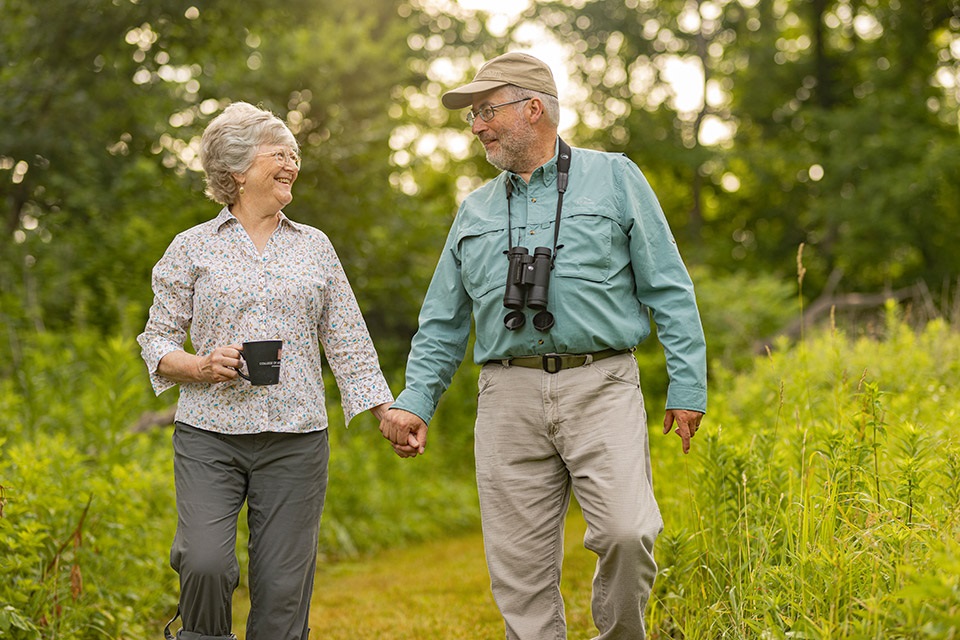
{"x":84,"y":503}
{"x":87,"y":505}
{"x":821,"y":501}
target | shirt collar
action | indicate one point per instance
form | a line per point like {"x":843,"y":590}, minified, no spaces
{"x":225,"y":217}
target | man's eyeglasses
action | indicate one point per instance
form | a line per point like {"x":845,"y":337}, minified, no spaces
{"x":283,"y":157}
{"x":488,"y":112}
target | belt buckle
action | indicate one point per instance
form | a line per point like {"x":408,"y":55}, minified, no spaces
{"x":552,"y":362}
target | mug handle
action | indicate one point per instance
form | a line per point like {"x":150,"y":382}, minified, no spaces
{"x":242,"y":374}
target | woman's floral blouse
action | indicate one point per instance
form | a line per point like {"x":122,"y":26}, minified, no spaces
{"x":212,"y":283}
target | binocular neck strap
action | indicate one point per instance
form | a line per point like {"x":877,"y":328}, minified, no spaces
{"x":563,"y":177}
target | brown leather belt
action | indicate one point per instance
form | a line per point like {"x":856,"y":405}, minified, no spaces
{"x":554,"y":362}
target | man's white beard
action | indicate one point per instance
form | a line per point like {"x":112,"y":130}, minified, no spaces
{"x":515,"y":148}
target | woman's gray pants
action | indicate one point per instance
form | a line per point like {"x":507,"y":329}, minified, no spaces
{"x":283,"y":480}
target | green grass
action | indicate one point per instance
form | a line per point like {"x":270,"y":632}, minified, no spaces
{"x":824,"y":500}
{"x":821,"y":501}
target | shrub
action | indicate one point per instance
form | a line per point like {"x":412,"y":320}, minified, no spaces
{"x":823,"y":498}
{"x":82,"y":543}
{"x":87,"y":507}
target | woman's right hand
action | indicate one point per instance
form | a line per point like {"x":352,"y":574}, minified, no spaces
{"x":221,"y":365}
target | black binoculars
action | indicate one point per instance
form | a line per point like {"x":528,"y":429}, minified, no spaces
{"x":528,"y":284}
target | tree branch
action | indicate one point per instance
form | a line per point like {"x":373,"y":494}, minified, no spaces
{"x":828,"y":302}
{"x":152,"y":419}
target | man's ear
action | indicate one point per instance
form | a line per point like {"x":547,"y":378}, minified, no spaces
{"x":535,"y":112}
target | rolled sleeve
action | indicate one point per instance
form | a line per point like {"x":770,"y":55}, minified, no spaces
{"x":170,"y":314}
{"x":152,"y":349}
{"x":361,"y":394}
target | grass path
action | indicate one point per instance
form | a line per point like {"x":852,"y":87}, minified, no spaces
{"x":432,"y":591}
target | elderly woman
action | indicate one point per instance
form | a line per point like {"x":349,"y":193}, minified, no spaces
{"x":252,"y":273}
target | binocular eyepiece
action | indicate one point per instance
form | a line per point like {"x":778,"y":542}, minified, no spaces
{"x":528,"y":284}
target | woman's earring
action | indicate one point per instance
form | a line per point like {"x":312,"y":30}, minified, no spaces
{"x":241,"y":189}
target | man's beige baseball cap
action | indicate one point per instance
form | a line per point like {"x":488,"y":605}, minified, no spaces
{"x":518,"y":69}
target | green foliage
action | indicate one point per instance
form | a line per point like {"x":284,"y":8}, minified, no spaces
{"x":87,"y":505}
{"x":820,"y":502}
{"x":843,"y":121}
{"x":375,"y":499}
{"x":87,"y":216}
{"x":823,"y":502}
{"x":764,"y":305}
{"x":82,"y":541}
{"x":84,"y":527}
{"x":844,"y":138}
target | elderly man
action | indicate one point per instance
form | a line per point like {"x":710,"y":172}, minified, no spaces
{"x":574,"y":241}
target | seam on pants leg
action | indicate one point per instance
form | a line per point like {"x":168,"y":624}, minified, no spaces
{"x":559,"y":620}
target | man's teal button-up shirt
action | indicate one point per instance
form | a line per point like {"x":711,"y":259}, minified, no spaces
{"x":617,"y":260}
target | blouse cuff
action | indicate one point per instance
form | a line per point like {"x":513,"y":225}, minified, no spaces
{"x":152,"y":354}
{"x":360,"y":394}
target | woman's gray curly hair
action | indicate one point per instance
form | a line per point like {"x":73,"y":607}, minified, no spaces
{"x":229,"y":146}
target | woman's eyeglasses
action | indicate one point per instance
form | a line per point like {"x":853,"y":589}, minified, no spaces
{"x":284,"y":156}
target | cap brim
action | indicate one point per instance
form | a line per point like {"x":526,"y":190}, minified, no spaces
{"x":462,"y":97}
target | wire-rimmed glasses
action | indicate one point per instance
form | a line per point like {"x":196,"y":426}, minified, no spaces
{"x":488,"y":112}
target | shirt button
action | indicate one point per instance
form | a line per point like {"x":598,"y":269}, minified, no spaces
{"x":533,"y":199}
{"x":540,"y":342}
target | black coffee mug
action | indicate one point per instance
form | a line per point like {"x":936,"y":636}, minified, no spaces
{"x":263,"y":361}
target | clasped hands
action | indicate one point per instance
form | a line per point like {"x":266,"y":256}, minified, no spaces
{"x":407,"y":432}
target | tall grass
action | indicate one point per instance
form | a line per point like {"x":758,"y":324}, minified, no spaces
{"x":87,"y":505}
{"x":823,"y":501}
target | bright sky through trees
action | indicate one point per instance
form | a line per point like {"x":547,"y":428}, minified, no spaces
{"x":685,"y":76}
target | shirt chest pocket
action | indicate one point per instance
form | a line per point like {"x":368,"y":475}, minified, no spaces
{"x":483,"y":263}
{"x":592,"y":243}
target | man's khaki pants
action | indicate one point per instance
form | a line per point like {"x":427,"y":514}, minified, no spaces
{"x":537,"y":436}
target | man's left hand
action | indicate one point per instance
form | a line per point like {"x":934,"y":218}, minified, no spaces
{"x":687,"y":424}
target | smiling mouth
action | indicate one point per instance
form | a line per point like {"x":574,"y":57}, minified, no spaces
{"x":286,"y":181}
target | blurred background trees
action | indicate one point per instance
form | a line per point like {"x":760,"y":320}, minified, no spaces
{"x":761,"y":125}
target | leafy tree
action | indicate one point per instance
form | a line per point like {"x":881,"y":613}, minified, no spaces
{"x":844,"y":120}
{"x":841,"y":120}
{"x":105,"y":103}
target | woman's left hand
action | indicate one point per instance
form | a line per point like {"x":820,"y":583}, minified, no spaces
{"x":380,"y":410}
